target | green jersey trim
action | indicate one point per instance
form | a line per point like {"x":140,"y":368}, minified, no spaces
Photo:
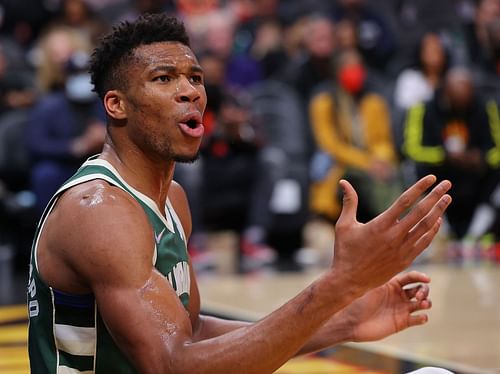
{"x":146,"y":199}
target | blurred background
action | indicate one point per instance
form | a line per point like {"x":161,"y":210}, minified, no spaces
{"x":301,"y":93}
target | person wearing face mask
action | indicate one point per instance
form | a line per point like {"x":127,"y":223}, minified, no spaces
{"x":65,"y":127}
{"x":456,"y":136}
{"x":352,"y":128}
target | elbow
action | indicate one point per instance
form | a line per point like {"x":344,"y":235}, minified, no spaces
{"x":180,"y":359}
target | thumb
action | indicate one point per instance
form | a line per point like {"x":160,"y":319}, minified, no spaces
{"x":349,"y":202}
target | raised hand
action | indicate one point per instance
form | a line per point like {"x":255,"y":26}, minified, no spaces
{"x":389,"y":308}
{"x":370,"y":254}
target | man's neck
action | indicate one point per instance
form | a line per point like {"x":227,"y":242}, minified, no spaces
{"x":152,"y":178}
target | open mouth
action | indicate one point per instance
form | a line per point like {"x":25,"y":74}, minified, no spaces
{"x":192,"y":123}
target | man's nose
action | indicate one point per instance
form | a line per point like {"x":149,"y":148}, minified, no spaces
{"x":186,"y":90}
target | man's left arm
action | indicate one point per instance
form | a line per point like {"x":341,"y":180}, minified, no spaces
{"x":381,"y":312}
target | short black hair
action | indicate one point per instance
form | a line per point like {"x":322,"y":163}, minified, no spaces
{"x":117,"y":47}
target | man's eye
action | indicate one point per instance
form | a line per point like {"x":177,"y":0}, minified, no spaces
{"x":197,"y":79}
{"x":162,"y":78}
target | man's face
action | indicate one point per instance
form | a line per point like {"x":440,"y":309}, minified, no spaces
{"x":165,"y":99}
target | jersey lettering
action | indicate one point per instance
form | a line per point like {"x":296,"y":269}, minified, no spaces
{"x":180,"y":274}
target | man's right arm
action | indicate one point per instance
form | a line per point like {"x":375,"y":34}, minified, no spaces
{"x":111,"y":253}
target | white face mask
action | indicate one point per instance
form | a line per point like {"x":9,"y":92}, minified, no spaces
{"x":79,"y":88}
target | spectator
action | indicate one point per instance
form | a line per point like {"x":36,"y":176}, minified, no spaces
{"x":65,"y":127}
{"x":215,"y":32}
{"x":267,"y":47}
{"x":351,"y":125}
{"x":17,"y":95}
{"x":16,"y":90}
{"x":78,"y":15}
{"x":455,"y":136}
{"x":230,"y":177}
{"x":312,"y":68}
{"x":375,"y":38}
{"x":478,"y":38}
{"x":447,"y":18}
{"x":259,"y":34}
{"x":283,"y":168}
{"x":52,"y":54}
{"x":23,"y":20}
{"x":487,"y":74}
{"x":418,"y":83}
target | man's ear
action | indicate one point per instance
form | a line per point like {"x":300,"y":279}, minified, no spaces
{"x":114,"y":103}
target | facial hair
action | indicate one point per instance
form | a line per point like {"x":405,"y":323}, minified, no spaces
{"x":186,"y":159}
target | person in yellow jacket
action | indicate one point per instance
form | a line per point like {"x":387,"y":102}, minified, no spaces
{"x":352,"y":130}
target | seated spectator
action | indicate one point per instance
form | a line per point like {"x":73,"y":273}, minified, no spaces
{"x":17,"y":95}
{"x":16,"y":89}
{"x":479,"y":38}
{"x":267,"y":47}
{"x":306,"y":71}
{"x":52,"y":53}
{"x":242,"y":70}
{"x":64,"y":128}
{"x":352,"y":129}
{"x":23,"y":20}
{"x":455,"y":137}
{"x":79,"y":16}
{"x":487,"y":73}
{"x":418,"y":83}
{"x":413,"y":19}
{"x":376,"y":40}
{"x":230,"y":177}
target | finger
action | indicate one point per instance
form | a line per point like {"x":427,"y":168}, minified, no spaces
{"x":419,"y":292}
{"x":420,"y":305}
{"x":426,"y":205}
{"x":412,"y":277}
{"x":411,"y":292}
{"x":422,"y":293}
{"x":428,"y":222}
{"x":405,"y":201}
{"x":417,"y":319}
{"x":426,"y":239}
{"x":349,"y":203}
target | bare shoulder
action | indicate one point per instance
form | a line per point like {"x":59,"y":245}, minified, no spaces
{"x":96,"y":233}
{"x":179,"y":201}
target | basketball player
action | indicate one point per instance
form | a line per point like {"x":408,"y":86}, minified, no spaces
{"x":111,"y":288}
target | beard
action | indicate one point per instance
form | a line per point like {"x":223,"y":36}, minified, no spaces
{"x":186,"y":159}
{"x":166,"y":151}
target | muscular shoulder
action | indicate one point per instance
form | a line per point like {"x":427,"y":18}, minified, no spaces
{"x":97,"y":231}
{"x":98,"y":202}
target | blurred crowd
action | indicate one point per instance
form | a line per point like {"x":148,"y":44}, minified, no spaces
{"x":301,"y":93}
